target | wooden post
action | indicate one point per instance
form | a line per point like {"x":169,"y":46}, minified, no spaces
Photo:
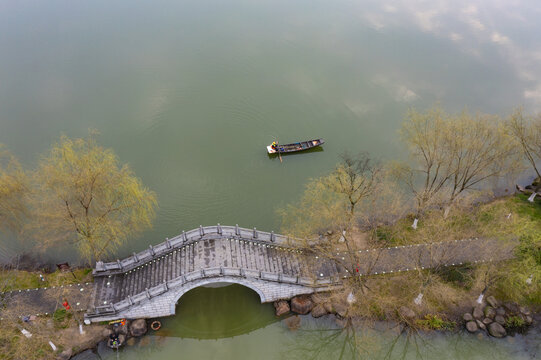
{"x":237,"y":231}
{"x":201,"y":231}
{"x":255,"y":233}
{"x":219,"y":228}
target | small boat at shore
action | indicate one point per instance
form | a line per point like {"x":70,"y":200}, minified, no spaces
{"x":294,"y":147}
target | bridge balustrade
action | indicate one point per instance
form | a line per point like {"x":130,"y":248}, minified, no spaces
{"x":188,"y":238}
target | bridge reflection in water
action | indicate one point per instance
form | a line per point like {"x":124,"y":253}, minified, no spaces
{"x":215,"y":313}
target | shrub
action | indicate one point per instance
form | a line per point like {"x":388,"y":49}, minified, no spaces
{"x":434,"y":322}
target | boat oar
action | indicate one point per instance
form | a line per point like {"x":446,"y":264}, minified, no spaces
{"x":279,"y":153}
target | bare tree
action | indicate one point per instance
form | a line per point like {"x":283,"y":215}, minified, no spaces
{"x":454,"y":154}
{"x":527,"y":133}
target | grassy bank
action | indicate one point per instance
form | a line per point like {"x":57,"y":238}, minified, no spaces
{"x":20,"y":280}
{"x":450,"y":291}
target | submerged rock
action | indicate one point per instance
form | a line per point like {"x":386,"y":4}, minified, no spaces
{"x":301,"y":304}
{"x":293,"y":322}
{"x":282,"y":307}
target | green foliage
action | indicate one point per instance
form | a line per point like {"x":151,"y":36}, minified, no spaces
{"x":434,"y":322}
{"x":13,"y":192}
{"x":61,"y":318}
{"x":59,"y":315}
{"x":84,"y":196}
{"x":18,"y":279}
{"x":515,"y":323}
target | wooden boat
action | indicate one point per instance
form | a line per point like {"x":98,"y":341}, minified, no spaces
{"x":294,"y":147}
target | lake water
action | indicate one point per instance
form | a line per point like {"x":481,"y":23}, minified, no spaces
{"x":189,"y":93}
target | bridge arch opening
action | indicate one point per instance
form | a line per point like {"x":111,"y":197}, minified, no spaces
{"x":217,"y":284}
{"x":218,"y":310}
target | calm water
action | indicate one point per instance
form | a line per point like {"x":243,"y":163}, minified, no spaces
{"x":190,"y":92}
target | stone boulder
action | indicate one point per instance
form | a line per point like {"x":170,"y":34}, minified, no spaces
{"x":406,"y":313}
{"x":499,"y":319}
{"x":319,"y":311}
{"x":491,"y":300}
{"x":478,"y":312}
{"x":480,"y":325}
{"x":301,"y":304}
{"x":65,"y":355}
{"x":489,"y":312}
{"x":471,"y":326}
{"x":487,"y":321}
{"x":467,"y":317}
{"x":328,"y":307}
{"x":282,"y":307}
{"x":340,"y":308}
{"x":511,"y":307}
{"x":138,"y":327}
{"x":496,"y":330}
{"x":524,"y":311}
{"x":500,"y":311}
{"x":320,"y":298}
{"x":121,"y":339}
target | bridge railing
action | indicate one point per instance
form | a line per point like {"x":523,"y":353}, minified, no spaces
{"x":186,"y":238}
{"x":216,"y":273}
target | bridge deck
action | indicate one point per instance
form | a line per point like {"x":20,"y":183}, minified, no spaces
{"x":207,"y":255}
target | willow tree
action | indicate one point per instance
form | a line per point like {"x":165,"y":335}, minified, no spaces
{"x":454,"y":153}
{"x":13,"y":192}
{"x":87,"y":198}
{"x":527,"y":133}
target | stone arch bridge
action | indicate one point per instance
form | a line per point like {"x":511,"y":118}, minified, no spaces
{"x":148,"y":284}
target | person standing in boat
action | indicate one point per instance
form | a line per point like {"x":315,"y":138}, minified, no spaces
{"x":274,"y":145}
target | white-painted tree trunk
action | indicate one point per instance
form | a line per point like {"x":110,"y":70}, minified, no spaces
{"x":530,"y":199}
{"x":26,"y":333}
{"x":446,"y":212}
{"x":480,"y":298}
{"x":419,"y":299}
{"x":414,"y":225}
{"x":52,"y":345}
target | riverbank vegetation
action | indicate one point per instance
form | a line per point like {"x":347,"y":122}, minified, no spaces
{"x":442,"y":195}
{"x":80,"y":195}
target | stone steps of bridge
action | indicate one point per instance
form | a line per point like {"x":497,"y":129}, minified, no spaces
{"x":207,"y":253}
